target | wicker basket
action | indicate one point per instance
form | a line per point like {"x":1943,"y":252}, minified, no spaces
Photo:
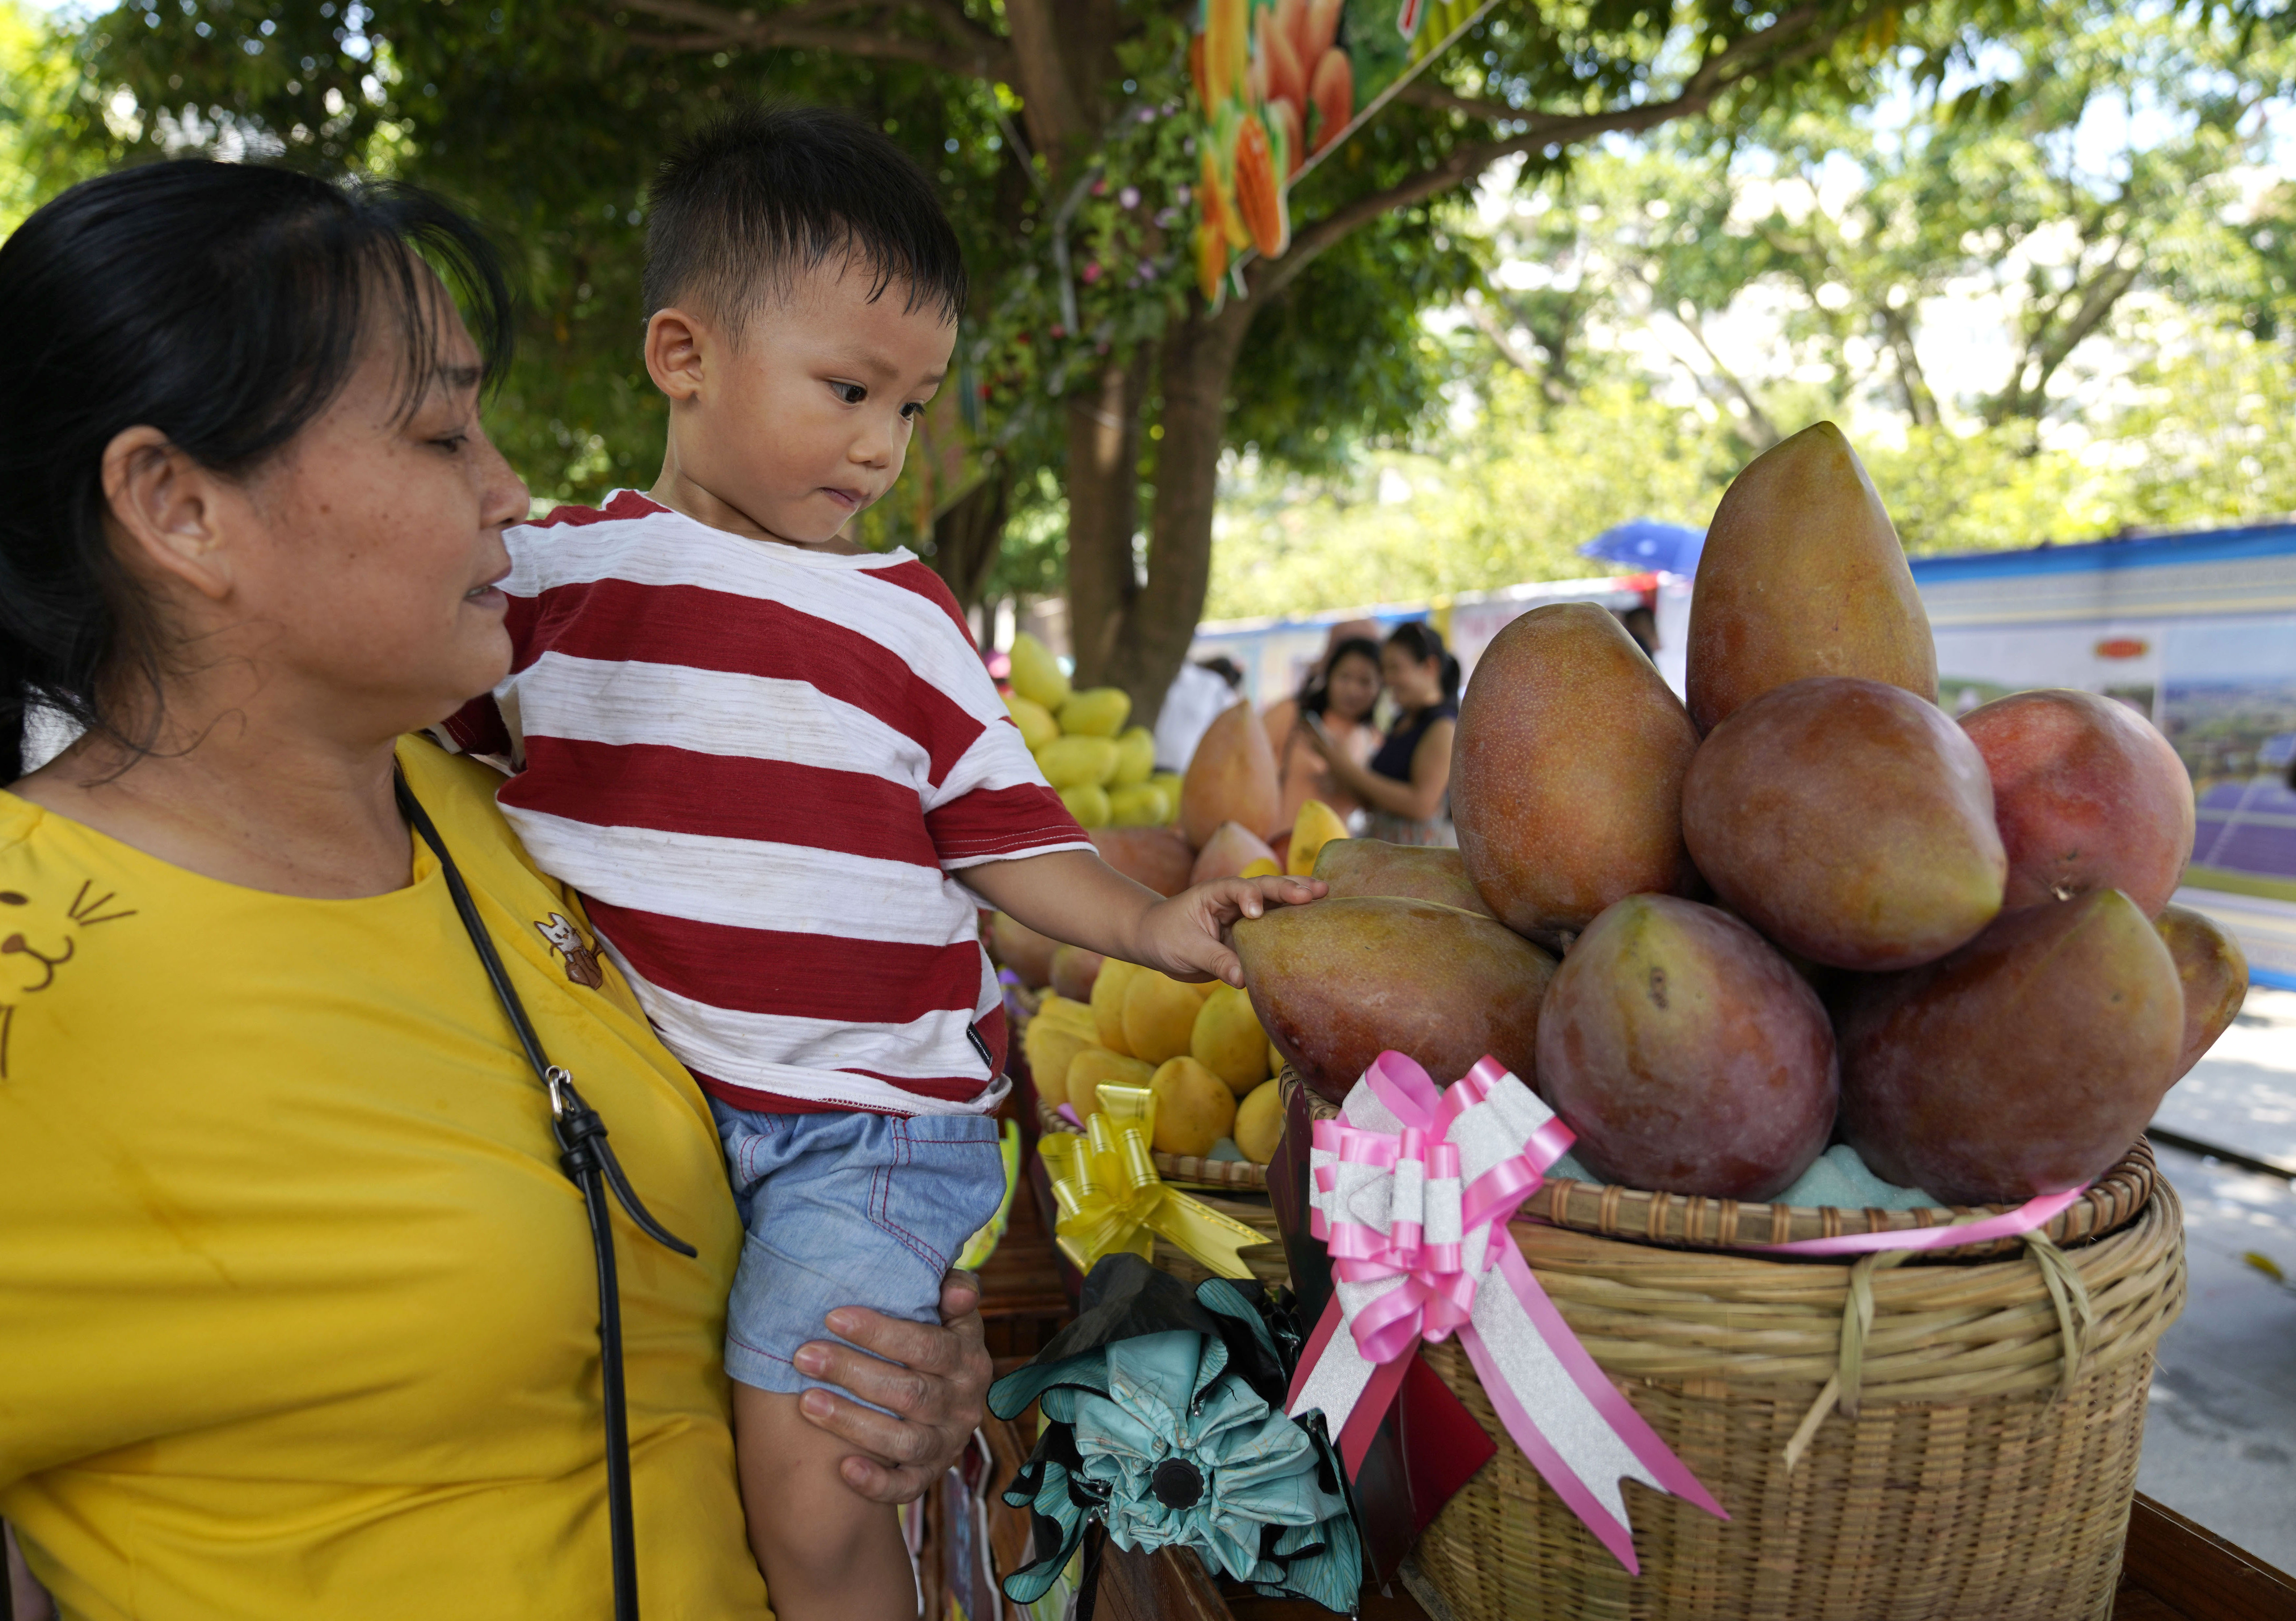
{"x":1970,"y":1456}
{"x":1188,"y":1168}
{"x":1976,"y":1482}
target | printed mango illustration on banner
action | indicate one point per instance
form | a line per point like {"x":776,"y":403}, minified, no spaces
{"x":1278,"y":84}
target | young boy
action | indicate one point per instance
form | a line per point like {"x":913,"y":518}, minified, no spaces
{"x":765,"y":757}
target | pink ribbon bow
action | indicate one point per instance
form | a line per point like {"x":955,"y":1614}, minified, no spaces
{"x":1437,"y":1236}
{"x":1411,"y":1190}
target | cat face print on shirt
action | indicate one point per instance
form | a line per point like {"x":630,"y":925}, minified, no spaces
{"x":38,"y":938}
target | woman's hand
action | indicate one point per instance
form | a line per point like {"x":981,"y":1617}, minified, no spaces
{"x":1186,"y":936}
{"x":935,"y":1378}
{"x":1347,"y":775}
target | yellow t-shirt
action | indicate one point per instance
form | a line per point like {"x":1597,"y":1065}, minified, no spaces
{"x":298,"y":1314}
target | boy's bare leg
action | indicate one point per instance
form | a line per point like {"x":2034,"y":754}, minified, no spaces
{"x":829,"y":1553}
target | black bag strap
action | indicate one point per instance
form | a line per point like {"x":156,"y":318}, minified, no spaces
{"x":589,"y":1164}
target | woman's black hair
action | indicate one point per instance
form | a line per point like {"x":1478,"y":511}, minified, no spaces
{"x":1316,"y":691}
{"x":226,"y":305}
{"x":1422,"y":641}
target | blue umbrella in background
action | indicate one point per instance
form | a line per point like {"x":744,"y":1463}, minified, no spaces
{"x":1650,"y":547}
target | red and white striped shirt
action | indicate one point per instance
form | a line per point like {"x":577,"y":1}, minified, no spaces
{"x":761,"y":766}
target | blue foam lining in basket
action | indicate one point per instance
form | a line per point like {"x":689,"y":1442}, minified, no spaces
{"x":1837,"y":1177}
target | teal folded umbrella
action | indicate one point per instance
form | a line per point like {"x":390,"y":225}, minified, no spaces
{"x":1163,"y":1426}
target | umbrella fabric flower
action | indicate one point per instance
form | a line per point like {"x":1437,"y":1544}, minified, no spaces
{"x":1162,"y":1421}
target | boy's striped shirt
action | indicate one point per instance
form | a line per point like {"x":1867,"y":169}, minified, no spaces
{"x":762,"y":766}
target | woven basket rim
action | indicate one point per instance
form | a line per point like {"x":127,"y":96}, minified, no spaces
{"x":1679,"y":1220}
{"x":1178,"y":1167}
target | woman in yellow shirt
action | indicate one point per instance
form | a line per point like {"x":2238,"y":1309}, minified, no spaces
{"x":298,"y":1309}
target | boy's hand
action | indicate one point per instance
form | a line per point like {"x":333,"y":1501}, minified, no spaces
{"x":1186,"y":936}
{"x":1073,"y":896}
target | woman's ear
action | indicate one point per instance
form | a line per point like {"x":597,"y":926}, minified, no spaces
{"x":168,"y":510}
{"x":676,"y":347}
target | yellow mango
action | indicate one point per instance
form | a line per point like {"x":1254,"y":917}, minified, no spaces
{"x":1229,"y":1042}
{"x":1264,"y":868}
{"x":1260,"y":1123}
{"x":1049,"y":1049}
{"x":1160,"y":1016}
{"x":1141,"y":805}
{"x":1108,"y":1003}
{"x":1193,"y":1107}
{"x":1136,"y":757}
{"x":1170,"y":782}
{"x":1094,"y":1065}
{"x":1078,"y":762}
{"x":1274,"y":1061}
{"x":1316,"y":826}
{"x":1088,"y":804}
{"x":1037,"y":727}
{"x":1098,"y":711}
{"x":1036,"y":675}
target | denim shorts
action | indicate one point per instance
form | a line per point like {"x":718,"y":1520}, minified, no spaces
{"x":842,"y":1209}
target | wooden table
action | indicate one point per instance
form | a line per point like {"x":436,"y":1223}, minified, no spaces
{"x":2174,"y":1570}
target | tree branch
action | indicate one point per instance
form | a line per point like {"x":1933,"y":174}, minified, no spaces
{"x":1488,"y":323}
{"x":1724,"y":66}
{"x":1794,"y":38}
{"x":963,"y":48}
{"x":1766,"y":432}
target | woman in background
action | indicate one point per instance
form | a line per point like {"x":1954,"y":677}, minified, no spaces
{"x":1406,"y":785}
{"x":1341,"y":693}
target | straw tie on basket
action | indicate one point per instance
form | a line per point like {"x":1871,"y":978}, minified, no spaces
{"x":1411,"y":1191}
{"x":1110,"y":1197}
{"x":2076,"y":1313}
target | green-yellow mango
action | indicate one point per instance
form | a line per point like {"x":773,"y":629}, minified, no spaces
{"x":1088,"y":804}
{"x":1098,"y":711}
{"x":1078,"y":762}
{"x":1141,"y":805}
{"x":1136,"y":757}
{"x":1036,"y":675}
{"x":1037,"y":727}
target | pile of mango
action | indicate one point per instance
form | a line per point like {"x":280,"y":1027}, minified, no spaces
{"x":1104,"y":772}
{"x":1199,"y":1046}
{"x":1807,"y":906}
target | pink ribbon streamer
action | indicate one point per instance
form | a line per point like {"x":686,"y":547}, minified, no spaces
{"x":1442,"y":1260}
{"x":2033,"y":1214}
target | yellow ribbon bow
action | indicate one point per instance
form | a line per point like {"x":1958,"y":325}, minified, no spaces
{"x":1112,"y":1199}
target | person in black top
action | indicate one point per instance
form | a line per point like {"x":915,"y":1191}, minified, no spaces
{"x":1406,"y":786}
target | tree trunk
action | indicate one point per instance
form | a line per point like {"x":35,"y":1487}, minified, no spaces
{"x":1103,"y":491}
{"x":967,"y":536}
{"x":1151,"y":643}
{"x":1912,"y":383}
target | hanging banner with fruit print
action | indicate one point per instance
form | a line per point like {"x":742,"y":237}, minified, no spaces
{"x":1280,"y":84}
